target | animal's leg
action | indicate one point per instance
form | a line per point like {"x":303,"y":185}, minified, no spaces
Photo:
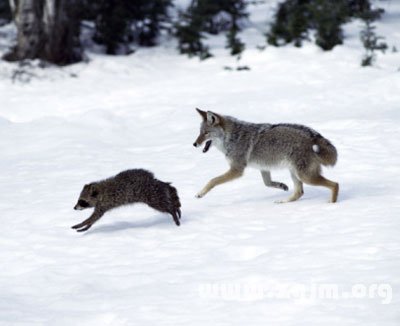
{"x":86,"y":224}
{"x":319,"y":180}
{"x":232,"y":174}
{"x":298,"y":190}
{"x":266,"y":175}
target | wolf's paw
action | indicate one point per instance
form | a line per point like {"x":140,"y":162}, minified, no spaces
{"x":201,"y":194}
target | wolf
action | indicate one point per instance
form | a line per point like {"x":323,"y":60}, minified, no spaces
{"x":266,"y":146}
{"x":127,"y":187}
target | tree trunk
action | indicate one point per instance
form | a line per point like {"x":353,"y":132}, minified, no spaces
{"x":47,"y":30}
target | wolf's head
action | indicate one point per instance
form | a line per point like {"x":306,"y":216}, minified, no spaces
{"x":211,"y":128}
{"x":89,"y":197}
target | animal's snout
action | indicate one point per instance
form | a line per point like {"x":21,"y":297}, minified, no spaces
{"x":76,"y":207}
{"x":195,"y":144}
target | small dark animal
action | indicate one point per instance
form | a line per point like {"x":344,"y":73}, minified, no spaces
{"x":127,"y":187}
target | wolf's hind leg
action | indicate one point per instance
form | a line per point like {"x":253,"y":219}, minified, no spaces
{"x":319,"y":180}
{"x":266,"y":175}
{"x":298,"y":190}
{"x":228,"y":176}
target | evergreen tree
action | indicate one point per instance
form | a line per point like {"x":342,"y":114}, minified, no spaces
{"x":120,"y":22}
{"x":189,"y":34}
{"x":370,"y":40}
{"x":213,"y":17}
{"x":5,"y":12}
{"x":295,"y":18}
{"x":149,"y":19}
{"x":237,"y":11}
{"x":291,"y":23}
{"x":328,"y":16}
{"x":234,"y":43}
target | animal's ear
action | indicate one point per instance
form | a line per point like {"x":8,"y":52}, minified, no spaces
{"x":94,"y":191}
{"x":202,"y":113}
{"x":213,"y":119}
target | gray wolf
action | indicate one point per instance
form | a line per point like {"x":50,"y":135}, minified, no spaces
{"x":127,"y":187}
{"x":265,"y":146}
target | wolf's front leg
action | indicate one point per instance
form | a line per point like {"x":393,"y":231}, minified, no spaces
{"x":266,"y":175}
{"x":87,"y":224}
{"x":232,"y":174}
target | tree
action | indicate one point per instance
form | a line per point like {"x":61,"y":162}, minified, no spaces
{"x":370,"y":40}
{"x":328,"y":16}
{"x":47,"y":30}
{"x":295,"y":19}
{"x":120,"y":22}
{"x":213,"y":17}
{"x":5,"y":12}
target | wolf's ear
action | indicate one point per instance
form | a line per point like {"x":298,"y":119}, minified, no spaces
{"x":202,"y":113}
{"x":213,"y":119}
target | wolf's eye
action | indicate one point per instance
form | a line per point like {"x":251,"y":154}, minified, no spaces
{"x":95,"y":193}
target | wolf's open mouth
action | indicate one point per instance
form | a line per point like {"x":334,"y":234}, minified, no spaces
{"x":207,"y":146}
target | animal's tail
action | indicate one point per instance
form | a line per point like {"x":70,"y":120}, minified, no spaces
{"x":326,"y":152}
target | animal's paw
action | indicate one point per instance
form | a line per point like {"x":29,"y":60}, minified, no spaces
{"x":200,"y":195}
{"x":283,"y":186}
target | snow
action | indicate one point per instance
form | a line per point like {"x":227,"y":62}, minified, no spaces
{"x":135,"y":267}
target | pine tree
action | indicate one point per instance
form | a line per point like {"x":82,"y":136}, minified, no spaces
{"x":328,"y":17}
{"x":291,"y":23}
{"x":213,"y":17}
{"x":5,"y":12}
{"x":120,"y":22}
{"x":237,"y":11}
{"x":295,"y":19}
{"x":371,"y":41}
{"x":190,"y":36}
{"x":112,"y":23}
{"x":148,"y":18}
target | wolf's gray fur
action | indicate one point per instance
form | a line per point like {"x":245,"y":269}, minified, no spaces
{"x":267,"y":146}
{"x":127,"y":187}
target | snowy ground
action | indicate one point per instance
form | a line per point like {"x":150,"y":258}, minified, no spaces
{"x":135,"y":267}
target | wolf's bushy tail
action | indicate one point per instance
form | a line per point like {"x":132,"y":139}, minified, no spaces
{"x":326,"y":152}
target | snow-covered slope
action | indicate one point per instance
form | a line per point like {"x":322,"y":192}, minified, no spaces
{"x":135,"y":267}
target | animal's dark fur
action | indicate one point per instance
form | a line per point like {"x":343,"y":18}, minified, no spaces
{"x":127,"y":187}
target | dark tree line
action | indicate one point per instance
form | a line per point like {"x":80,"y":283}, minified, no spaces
{"x":296,"y":19}
{"x":50,"y":29}
{"x":119,"y":22}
